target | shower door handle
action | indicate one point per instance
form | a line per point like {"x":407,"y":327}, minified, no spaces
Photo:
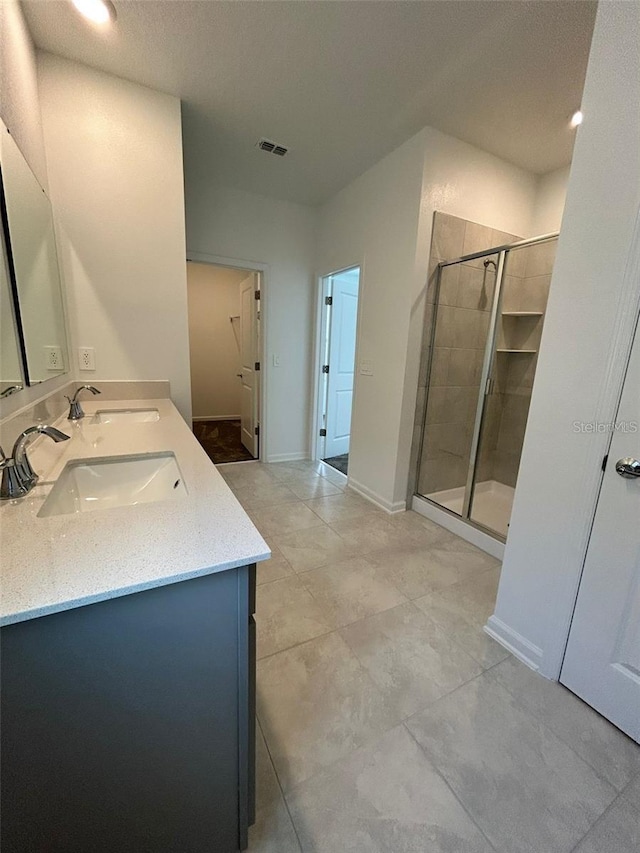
{"x":628,"y":467}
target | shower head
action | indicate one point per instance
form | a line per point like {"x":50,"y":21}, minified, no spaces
{"x":489,"y":263}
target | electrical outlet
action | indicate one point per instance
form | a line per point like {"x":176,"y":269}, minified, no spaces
{"x":87,"y":358}
{"x":366,"y":367}
{"x":276,"y":361}
{"x":53,"y":358}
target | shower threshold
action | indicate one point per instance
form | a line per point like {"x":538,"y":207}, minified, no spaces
{"x":491,"y":506}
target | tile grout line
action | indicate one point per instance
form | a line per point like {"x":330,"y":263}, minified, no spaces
{"x":298,"y":576}
{"x":597,"y":820}
{"x":534,"y":717}
{"x":446,"y":782}
{"x":280,"y":788}
{"x":297,"y":645}
{"x":403,"y":720}
{"x":374,"y":737}
{"x":368,"y":740}
{"x":533,"y":714}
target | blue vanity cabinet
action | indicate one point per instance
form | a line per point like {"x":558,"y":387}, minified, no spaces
{"x":129,"y":725}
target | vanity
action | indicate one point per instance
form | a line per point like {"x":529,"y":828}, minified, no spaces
{"x":127,"y":588}
{"x":128,"y":643}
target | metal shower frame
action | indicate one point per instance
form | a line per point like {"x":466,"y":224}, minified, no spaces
{"x":487,"y":366}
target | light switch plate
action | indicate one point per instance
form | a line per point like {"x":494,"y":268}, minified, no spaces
{"x":366,"y":367}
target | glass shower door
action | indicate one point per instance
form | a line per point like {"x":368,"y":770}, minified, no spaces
{"x":521,"y":307}
{"x":464,"y":303}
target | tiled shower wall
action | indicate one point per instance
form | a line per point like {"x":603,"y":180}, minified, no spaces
{"x":528,"y":290}
{"x":466,"y":294}
{"x":463,"y":317}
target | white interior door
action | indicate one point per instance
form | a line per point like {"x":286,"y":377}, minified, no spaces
{"x":249,"y":357}
{"x":602,"y":662}
{"x":342,"y":352}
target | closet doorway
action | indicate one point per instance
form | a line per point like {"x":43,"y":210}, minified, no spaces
{"x":224,"y":346}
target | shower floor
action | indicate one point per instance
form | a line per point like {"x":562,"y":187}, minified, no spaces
{"x":491,"y":506}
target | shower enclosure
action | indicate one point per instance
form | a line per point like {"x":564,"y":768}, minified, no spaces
{"x":489,"y":313}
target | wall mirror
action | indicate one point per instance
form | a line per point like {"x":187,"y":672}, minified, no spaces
{"x":32,"y":268}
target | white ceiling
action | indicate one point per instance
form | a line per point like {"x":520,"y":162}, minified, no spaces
{"x":341,"y":83}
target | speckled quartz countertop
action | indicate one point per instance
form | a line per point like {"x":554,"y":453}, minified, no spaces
{"x":60,"y":562}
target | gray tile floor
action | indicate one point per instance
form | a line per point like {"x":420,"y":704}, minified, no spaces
{"x":387,"y":720}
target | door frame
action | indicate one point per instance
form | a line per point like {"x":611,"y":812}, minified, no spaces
{"x":263,"y":270}
{"x":321,"y":330}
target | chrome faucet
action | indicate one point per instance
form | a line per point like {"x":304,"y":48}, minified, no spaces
{"x":10,"y":390}
{"x":75,"y":409}
{"x":18,"y":477}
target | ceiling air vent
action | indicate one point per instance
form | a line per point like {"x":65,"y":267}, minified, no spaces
{"x":272,"y":147}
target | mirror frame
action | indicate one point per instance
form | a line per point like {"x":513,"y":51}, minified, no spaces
{"x":13,"y":287}
{"x":20,"y":326}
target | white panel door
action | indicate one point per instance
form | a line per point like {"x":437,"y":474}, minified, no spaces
{"x":342,"y":352}
{"x":602,"y":662}
{"x":249,"y":358}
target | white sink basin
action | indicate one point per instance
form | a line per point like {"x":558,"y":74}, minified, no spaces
{"x":86,"y":485}
{"x":136,"y":416}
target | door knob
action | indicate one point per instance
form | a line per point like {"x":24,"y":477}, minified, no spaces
{"x":628,"y":467}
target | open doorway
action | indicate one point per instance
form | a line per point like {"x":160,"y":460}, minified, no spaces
{"x":337,"y":366}
{"x":224,"y":347}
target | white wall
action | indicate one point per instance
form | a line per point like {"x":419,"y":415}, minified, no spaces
{"x":114,"y":158}
{"x":551,"y":192}
{"x":383,"y":220}
{"x":19,"y":101}
{"x":235,"y":224}
{"x":592,"y":309}
{"x":373,"y":223}
{"x":214,"y":297}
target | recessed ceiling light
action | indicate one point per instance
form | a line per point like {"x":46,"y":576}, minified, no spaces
{"x":98,"y":11}
{"x":576,"y":118}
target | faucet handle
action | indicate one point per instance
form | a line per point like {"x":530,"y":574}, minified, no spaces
{"x":75,"y":409}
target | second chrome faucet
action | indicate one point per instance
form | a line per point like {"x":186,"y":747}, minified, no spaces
{"x":75,"y":409}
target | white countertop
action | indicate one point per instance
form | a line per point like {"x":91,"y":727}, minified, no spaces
{"x":60,"y":562}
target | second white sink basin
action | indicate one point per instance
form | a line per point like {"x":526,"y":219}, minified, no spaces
{"x":140,"y":416}
{"x":86,"y":485}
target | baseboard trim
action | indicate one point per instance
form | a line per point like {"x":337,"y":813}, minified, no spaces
{"x":364,"y":491}
{"x":286,"y":457}
{"x":216,"y":418}
{"x":519,"y":646}
{"x":459,"y":527}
